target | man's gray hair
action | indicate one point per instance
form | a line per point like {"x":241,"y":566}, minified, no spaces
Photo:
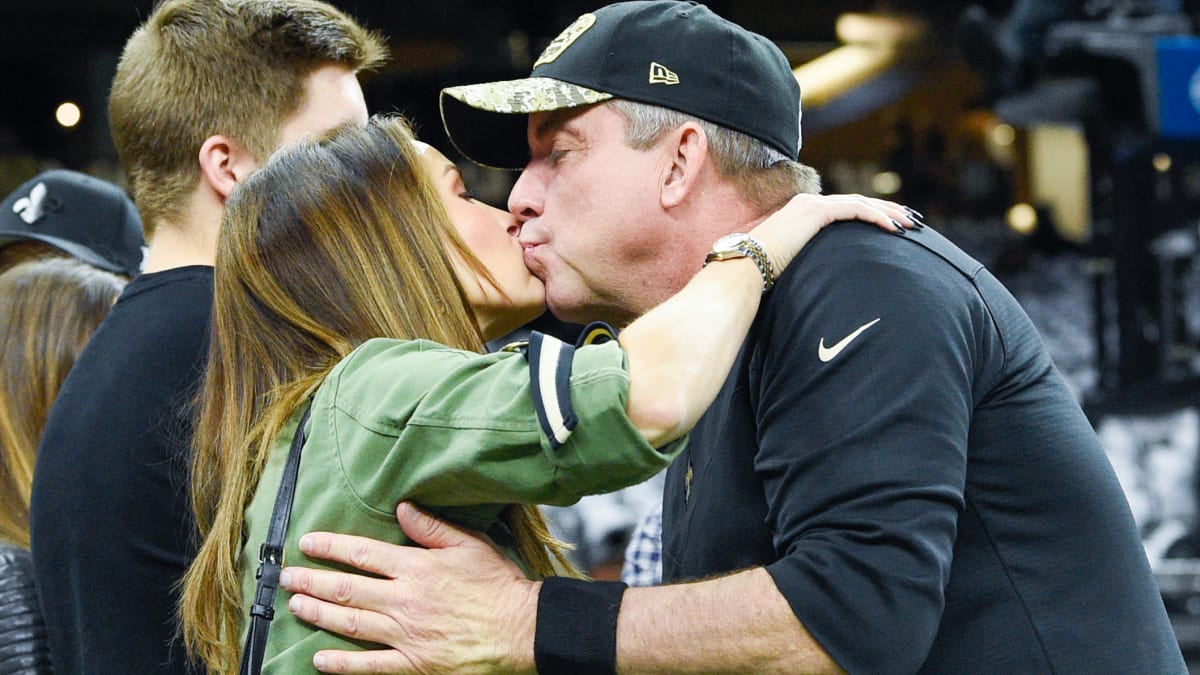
{"x":765,"y":177}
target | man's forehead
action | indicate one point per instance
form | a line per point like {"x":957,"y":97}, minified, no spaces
{"x":557,"y":122}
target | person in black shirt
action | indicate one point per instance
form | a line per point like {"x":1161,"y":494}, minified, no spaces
{"x":203,"y":92}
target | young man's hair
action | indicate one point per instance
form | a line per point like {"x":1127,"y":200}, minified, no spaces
{"x":49,"y":308}
{"x":358,"y":206}
{"x":197,"y":68}
{"x":763,"y":175}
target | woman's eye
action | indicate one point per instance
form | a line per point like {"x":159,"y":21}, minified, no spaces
{"x":469,"y":196}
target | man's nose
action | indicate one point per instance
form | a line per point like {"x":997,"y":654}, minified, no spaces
{"x":525,"y":200}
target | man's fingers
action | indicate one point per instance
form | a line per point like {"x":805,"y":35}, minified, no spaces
{"x":389,"y":661}
{"x":365,"y":554}
{"x":352,"y":622}
{"x":337,"y":587}
{"x":431,"y":532}
{"x":356,"y":624}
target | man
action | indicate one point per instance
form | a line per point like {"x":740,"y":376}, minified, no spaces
{"x":203,"y":93}
{"x":894,"y":477}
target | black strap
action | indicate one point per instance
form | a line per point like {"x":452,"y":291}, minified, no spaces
{"x":576,"y":629}
{"x":270,"y":559}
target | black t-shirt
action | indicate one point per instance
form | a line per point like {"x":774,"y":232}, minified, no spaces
{"x":896,"y":447}
{"x":111,"y":522}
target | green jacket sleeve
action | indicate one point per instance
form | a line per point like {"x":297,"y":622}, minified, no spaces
{"x":445,"y":428}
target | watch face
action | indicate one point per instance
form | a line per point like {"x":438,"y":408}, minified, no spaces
{"x":730,"y":242}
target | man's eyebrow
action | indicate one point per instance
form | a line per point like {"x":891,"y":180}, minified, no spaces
{"x":556,"y":120}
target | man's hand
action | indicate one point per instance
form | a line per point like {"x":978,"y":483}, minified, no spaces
{"x":457,"y":606}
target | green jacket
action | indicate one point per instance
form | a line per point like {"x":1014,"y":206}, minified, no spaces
{"x":454,"y":431}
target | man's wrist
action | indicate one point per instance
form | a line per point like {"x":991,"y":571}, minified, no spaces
{"x":576,"y":629}
{"x":521,"y":617}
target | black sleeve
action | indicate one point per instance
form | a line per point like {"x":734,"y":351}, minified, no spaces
{"x":867,"y":358}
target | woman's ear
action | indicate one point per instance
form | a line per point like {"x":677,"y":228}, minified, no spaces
{"x":687,"y":156}
{"x":223,"y":162}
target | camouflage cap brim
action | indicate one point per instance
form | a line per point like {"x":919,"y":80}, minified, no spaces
{"x":528,"y":95}
{"x":486,"y":122}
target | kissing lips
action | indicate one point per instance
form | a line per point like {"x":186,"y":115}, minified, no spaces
{"x":531,"y":260}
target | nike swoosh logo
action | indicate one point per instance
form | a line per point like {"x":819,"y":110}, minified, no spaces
{"x":827,"y":354}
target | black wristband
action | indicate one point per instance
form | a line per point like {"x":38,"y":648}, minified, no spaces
{"x":576,"y":631}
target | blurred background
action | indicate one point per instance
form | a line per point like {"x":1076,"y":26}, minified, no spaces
{"x":1057,"y":142}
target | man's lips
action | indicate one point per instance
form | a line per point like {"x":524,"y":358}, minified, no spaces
{"x":529,"y":253}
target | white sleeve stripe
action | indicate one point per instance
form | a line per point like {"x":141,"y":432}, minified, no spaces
{"x":550,"y":363}
{"x":551,"y":349}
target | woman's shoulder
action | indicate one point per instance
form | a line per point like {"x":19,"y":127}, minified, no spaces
{"x":377,"y":352}
{"x":386,"y":365}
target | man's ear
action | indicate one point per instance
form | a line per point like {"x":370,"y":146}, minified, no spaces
{"x":224,"y":162}
{"x":687,"y":156}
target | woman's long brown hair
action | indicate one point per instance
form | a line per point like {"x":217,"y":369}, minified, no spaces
{"x":48,"y":310}
{"x":331,"y":243}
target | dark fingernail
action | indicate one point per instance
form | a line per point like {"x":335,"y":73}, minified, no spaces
{"x":914,"y":212}
{"x":899,"y":227}
{"x":917,"y":221}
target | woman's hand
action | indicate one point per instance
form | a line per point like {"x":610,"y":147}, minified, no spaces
{"x":786,"y":231}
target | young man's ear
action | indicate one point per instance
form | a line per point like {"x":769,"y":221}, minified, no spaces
{"x":687,"y":149}
{"x":224,"y":162}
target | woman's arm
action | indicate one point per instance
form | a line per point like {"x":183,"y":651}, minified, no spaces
{"x":680,"y":352}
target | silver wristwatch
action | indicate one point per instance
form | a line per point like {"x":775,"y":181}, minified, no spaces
{"x":741,"y":245}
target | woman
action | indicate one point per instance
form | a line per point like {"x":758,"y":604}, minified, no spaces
{"x":48,"y":311}
{"x":368,"y":234}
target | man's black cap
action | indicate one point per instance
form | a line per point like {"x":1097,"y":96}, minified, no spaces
{"x":677,"y":55}
{"x":88,"y":218}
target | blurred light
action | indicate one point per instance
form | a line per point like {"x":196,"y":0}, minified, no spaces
{"x":838,"y":71}
{"x":1004,"y":135}
{"x":1162,"y":162}
{"x":1023,"y":218}
{"x":886,"y":183}
{"x":68,"y":114}
{"x":857,"y":28}
{"x":873,"y":44}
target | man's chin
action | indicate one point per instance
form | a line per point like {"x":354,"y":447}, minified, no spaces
{"x":584,"y":314}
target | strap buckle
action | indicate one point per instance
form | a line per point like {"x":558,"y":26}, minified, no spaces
{"x":270,"y":554}
{"x":264,"y":611}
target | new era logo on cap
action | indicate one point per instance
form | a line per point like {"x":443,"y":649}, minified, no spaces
{"x":660,"y":74}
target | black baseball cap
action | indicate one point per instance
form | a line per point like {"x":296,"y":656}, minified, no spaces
{"x":677,"y":55}
{"x":88,"y":218}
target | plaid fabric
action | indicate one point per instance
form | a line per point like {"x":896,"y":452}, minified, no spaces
{"x":643,"y":555}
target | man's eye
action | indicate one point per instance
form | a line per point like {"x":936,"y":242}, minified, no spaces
{"x":554,"y":156}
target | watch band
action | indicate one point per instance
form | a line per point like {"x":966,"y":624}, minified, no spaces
{"x":747,"y":247}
